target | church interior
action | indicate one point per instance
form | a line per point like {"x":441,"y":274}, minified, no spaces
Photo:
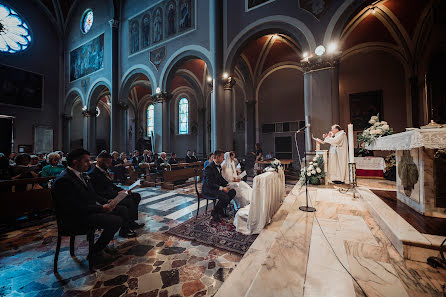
{"x":222,"y":148}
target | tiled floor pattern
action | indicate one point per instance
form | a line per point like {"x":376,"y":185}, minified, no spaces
{"x":153,"y":264}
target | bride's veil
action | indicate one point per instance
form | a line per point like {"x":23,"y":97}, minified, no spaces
{"x":227,"y":159}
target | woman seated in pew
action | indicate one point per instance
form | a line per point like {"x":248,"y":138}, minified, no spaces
{"x":118,"y":168}
{"x":54,"y":168}
{"x":229,"y":173}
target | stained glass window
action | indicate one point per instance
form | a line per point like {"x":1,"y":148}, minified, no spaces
{"x":87,"y":21}
{"x":150,"y":119}
{"x":183,"y":115}
{"x":14,"y":32}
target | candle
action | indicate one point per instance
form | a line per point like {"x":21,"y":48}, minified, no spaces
{"x":351,"y":148}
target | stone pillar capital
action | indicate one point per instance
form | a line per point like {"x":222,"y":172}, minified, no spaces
{"x":317,"y":63}
{"x":89,"y":113}
{"x":67,"y":117}
{"x":114,"y":23}
{"x":161,"y":97}
{"x":229,"y":83}
{"x":122,"y":105}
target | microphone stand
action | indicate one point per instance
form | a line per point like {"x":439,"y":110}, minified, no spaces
{"x":305,"y":208}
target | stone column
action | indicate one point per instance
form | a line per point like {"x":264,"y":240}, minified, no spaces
{"x":123,"y":115}
{"x":117,"y":116}
{"x":228,"y":119}
{"x":90,"y":131}
{"x":250,"y":126}
{"x":161,"y":126}
{"x":217,"y":99}
{"x":201,"y":133}
{"x":321,"y":96}
{"x":67,"y":133}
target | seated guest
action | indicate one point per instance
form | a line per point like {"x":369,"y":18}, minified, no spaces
{"x":42,"y":160}
{"x":215,"y":185}
{"x":103,"y":185}
{"x":118,"y":168}
{"x":54,"y":168}
{"x":12,"y":158}
{"x":4,"y":168}
{"x":161,"y":162}
{"x":173,"y":159}
{"x":147,"y":156}
{"x":194,"y":157}
{"x":22,"y":169}
{"x":35,"y":163}
{"x":188,"y":158}
{"x":77,"y":207}
{"x":208,"y":161}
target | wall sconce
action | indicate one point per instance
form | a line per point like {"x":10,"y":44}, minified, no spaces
{"x":158,"y":90}
{"x":225,"y":75}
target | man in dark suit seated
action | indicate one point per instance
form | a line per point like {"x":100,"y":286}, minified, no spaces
{"x":76,"y":203}
{"x":189,"y":158}
{"x":173,"y":159}
{"x":214,"y":185}
{"x":103,"y":185}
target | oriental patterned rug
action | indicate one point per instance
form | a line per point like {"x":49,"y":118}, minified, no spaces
{"x":220,"y":235}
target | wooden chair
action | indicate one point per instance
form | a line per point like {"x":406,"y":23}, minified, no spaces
{"x":200,"y":195}
{"x":72,"y":232}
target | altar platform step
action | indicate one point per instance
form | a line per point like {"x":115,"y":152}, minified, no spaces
{"x":407,"y":240}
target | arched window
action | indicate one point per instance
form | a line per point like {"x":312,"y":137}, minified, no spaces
{"x":14,"y":32}
{"x":183,"y":116}
{"x":150,"y":119}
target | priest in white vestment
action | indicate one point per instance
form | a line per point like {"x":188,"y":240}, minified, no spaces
{"x":337,"y":155}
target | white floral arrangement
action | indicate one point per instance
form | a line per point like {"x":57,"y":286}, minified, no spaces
{"x":275,"y":165}
{"x":314,"y":172}
{"x":377,"y":129}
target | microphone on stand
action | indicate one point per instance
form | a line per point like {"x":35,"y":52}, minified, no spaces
{"x":303,"y":128}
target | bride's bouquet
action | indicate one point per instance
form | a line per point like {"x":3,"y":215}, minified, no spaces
{"x":313,"y":173}
{"x":275,"y":165}
{"x":377,"y":129}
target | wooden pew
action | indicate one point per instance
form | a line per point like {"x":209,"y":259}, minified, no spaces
{"x":171,"y":178}
{"x":15,"y":204}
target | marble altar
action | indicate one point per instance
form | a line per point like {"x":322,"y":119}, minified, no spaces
{"x":418,"y":171}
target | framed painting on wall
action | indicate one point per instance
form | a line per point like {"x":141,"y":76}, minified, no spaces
{"x":43,"y":139}
{"x":363,"y":106}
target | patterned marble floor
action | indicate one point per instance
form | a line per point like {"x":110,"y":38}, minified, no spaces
{"x":153,"y":264}
{"x":355,"y":237}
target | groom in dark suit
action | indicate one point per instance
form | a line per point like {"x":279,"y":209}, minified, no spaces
{"x":215,"y":185}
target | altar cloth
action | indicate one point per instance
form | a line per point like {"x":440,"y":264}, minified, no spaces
{"x":416,"y":138}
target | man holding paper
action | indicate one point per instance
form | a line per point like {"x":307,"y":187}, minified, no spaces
{"x":104,"y":186}
{"x":229,"y":172}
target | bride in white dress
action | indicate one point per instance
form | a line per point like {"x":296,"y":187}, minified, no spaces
{"x":229,"y":173}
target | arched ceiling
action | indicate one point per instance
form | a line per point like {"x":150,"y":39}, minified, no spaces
{"x":190,"y":73}
{"x":264,"y":53}
{"x":140,"y":91}
{"x":394,"y":22}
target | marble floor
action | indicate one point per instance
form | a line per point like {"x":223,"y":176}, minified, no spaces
{"x":153,"y":264}
{"x":337,"y":251}
{"x":291,"y":257}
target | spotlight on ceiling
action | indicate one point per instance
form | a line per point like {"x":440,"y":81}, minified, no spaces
{"x":305,"y":55}
{"x":373,"y":10}
{"x":320,"y":50}
{"x":158,"y":90}
{"x":209,"y":78}
{"x":332,"y":47}
{"x":225,"y":75}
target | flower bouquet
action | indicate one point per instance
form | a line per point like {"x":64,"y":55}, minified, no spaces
{"x":275,"y":165}
{"x":377,"y":129}
{"x":314,"y":173}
